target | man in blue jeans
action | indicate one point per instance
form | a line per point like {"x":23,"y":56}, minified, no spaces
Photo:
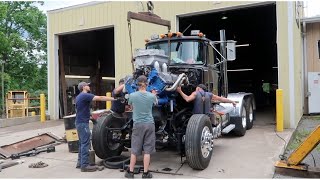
{"x":83,"y":101}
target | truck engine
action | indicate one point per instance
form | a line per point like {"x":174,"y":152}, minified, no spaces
{"x":159,"y":79}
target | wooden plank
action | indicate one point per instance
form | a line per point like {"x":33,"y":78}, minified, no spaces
{"x":62,"y":77}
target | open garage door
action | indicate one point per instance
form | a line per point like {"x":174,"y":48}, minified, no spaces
{"x":255,"y":69}
{"x":86,"y":56}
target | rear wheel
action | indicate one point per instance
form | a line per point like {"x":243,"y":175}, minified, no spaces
{"x":241,"y":122}
{"x":103,"y":141}
{"x":199,"y":141}
{"x":250,"y":113}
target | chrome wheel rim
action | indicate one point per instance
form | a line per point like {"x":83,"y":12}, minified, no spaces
{"x":206,"y":142}
{"x":244,"y":118}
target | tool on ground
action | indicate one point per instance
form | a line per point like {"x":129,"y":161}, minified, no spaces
{"x":293,"y":164}
{"x":9,"y":164}
{"x":139,"y":168}
{"x":92,"y":157}
{"x":39,"y":164}
{"x":33,"y":152}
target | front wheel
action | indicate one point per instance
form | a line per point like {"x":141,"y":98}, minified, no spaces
{"x":199,"y":141}
{"x":103,"y":141}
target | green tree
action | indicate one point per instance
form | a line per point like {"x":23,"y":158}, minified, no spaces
{"x":23,"y":46}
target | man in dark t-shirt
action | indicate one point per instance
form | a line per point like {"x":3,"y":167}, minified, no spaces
{"x":202,"y":99}
{"x":118,"y":106}
{"x":83,"y":101}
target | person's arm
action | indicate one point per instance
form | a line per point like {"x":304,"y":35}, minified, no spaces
{"x":185,"y":97}
{"x":155,"y":100}
{"x":103,"y":98}
{"x":118,"y":89}
{"x":223,"y":99}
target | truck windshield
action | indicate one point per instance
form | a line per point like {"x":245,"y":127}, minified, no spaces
{"x":182,"y":52}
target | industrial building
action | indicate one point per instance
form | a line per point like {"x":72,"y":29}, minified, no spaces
{"x":91,"y":42}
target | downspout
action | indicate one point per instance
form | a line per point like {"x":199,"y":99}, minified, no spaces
{"x":305,"y":68}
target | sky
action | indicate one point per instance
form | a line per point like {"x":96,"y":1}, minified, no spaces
{"x":312,"y":6}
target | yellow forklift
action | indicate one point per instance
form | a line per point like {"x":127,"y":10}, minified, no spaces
{"x":293,"y":166}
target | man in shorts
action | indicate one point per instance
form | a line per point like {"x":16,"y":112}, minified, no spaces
{"x":143,"y":131}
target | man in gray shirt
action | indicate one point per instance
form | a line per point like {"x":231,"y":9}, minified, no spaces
{"x":143,"y":131}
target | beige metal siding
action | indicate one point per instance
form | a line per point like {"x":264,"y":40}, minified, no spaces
{"x":313,"y":36}
{"x":285,"y":80}
{"x":298,"y":72}
{"x":106,"y":14}
{"x":282,"y":43}
{"x":115,"y":14}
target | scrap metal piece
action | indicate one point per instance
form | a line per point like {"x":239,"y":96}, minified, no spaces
{"x":28,"y":144}
{"x":9,"y":164}
{"x":33,"y":152}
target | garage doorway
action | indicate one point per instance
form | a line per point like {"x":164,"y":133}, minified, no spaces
{"x":86,"y":56}
{"x":255,"y":69}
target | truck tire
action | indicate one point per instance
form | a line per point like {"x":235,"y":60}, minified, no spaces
{"x":101,"y":142}
{"x":199,"y":131}
{"x":241,"y":122}
{"x":251,"y":115}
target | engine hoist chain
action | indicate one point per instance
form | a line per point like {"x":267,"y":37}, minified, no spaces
{"x":130,"y":37}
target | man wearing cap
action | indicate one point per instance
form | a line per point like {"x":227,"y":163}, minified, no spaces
{"x":143,"y":131}
{"x":83,"y":101}
{"x":202,"y":99}
{"x":118,"y":106}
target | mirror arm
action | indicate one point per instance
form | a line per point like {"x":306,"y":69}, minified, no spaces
{"x":216,"y":64}
{"x":224,"y":59}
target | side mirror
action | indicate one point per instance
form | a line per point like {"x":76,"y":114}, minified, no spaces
{"x":231,"y":50}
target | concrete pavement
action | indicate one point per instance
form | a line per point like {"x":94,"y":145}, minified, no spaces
{"x":250,"y":156}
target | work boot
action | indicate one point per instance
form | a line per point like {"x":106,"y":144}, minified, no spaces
{"x":129,"y":174}
{"x":78,"y":165}
{"x":146,"y":175}
{"x":89,"y":169}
